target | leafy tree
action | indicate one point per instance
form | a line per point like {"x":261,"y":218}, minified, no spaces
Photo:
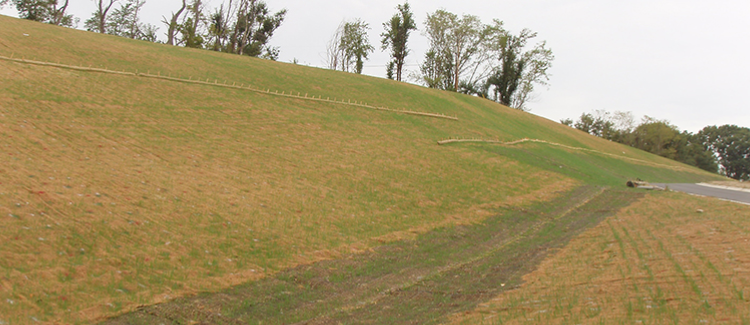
{"x":655,"y":136}
{"x":731,"y":144}
{"x":475,"y":80}
{"x":356,"y":45}
{"x":596,"y":124}
{"x":519,"y":71}
{"x":483,"y":60}
{"x":389,"y":69}
{"x":436,"y":70}
{"x":98,"y":20}
{"x":189,"y":33}
{"x":349,"y":47}
{"x":218,"y":30}
{"x":125,"y":21}
{"x":690,"y":150}
{"x":453,"y":43}
{"x":253,"y":28}
{"x":512,"y":64}
{"x":46,"y":11}
{"x":396,"y":36}
{"x":617,"y":126}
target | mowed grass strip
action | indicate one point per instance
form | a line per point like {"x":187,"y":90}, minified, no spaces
{"x":668,"y":259}
{"x":406,"y":282}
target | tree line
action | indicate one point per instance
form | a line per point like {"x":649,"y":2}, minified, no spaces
{"x":465,"y":55}
{"x":724,"y":149}
{"x":241,"y":27}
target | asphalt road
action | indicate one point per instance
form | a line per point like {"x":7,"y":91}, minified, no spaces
{"x":737,"y":195}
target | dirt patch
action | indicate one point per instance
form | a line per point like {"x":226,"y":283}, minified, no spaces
{"x":670,"y":258}
{"x":412,"y":281}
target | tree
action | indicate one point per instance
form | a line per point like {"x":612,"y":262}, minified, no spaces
{"x":484,"y":60}
{"x":125,"y":21}
{"x":508,"y":75}
{"x":334,"y":50}
{"x":356,"y":45}
{"x":436,"y":70}
{"x":396,"y":36}
{"x":475,"y":81}
{"x":98,"y":20}
{"x":389,"y":69}
{"x":253,"y":28}
{"x":189,"y":33}
{"x":597,"y":124}
{"x":731,"y":144}
{"x":518,"y":72}
{"x":453,"y":43}
{"x":218,"y":30}
{"x":537,"y":61}
{"x":617,"y":126}
{"x":173,"y":23}
{"x":690,"y":150}
{"x":46,"y":11}
{"x":349,"y":47}
{"x":652,"y":135}
{"x":657,"y":137}
{"x":59,"y":17}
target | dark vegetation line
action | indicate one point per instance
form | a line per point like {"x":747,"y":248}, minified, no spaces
{"x":422,"y":281}
{"x":233,"y":86}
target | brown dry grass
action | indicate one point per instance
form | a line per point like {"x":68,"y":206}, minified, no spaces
{"x":118,"y":193}
{"x":670,"y":258}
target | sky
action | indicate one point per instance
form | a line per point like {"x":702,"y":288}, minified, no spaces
{"x":684,"y":61}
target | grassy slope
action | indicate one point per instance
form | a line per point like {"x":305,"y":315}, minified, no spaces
{"x":670,"y":258}
{"x":117,"y":190}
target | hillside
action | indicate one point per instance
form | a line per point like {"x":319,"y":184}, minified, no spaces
{"x":125,"y":189}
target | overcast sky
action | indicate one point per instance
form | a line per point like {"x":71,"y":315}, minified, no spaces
{"x":680,"y":60}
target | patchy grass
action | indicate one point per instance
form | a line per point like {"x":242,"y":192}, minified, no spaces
{"x":118,"y":191}
{"x":414,"y":281}
{"x":670,"y":258}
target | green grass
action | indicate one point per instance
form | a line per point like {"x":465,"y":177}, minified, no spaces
{"x":170,"y":188}
{"x":439,"y":273}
